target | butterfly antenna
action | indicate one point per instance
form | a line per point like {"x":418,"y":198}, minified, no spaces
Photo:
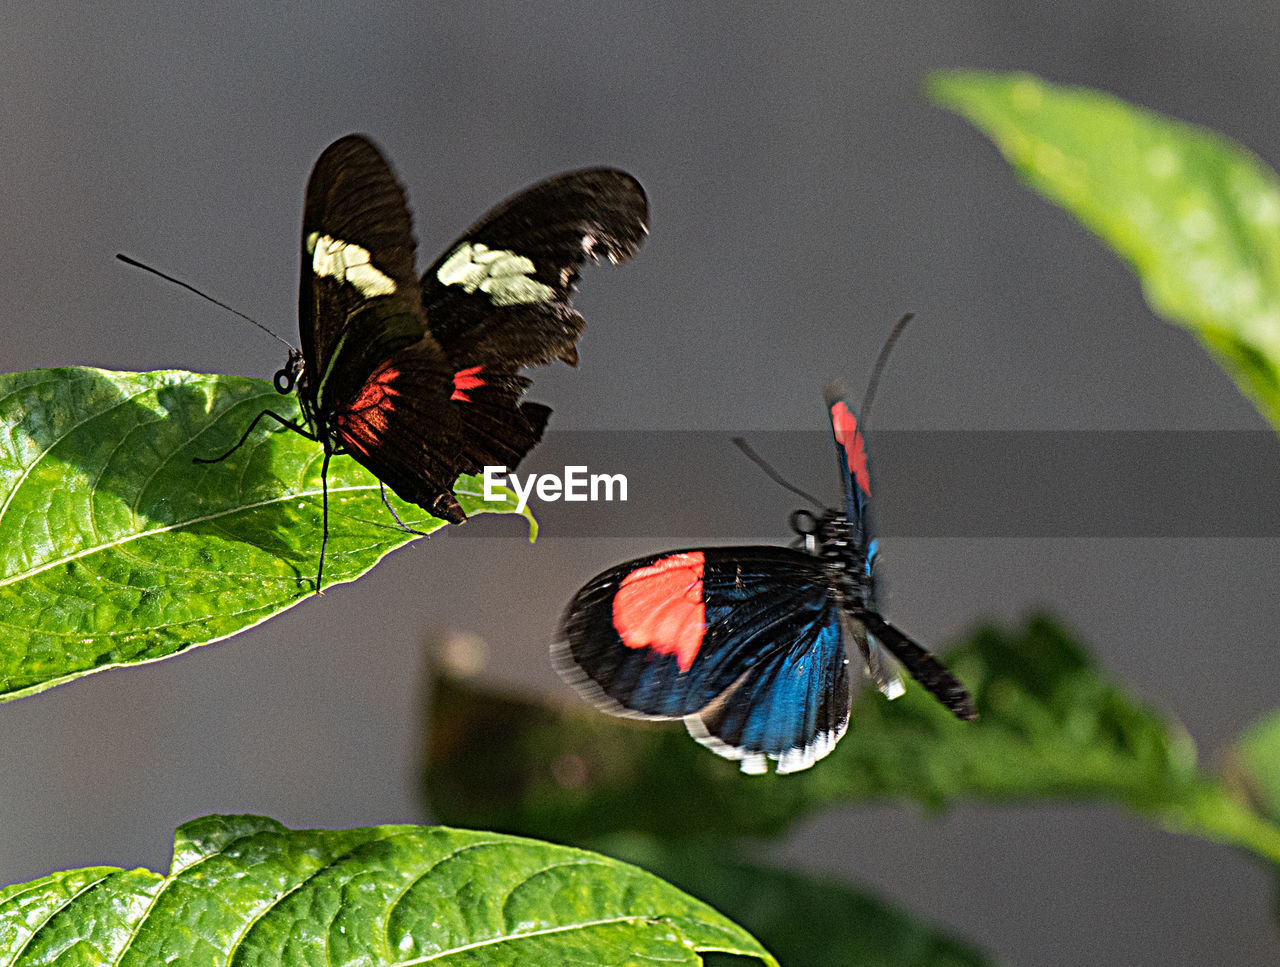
{"x":191,"y":288}
{"x":883,"y":358}
{"x":776,"y":477}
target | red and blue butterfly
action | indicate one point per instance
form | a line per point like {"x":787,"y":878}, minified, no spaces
{"x":749,"y":645}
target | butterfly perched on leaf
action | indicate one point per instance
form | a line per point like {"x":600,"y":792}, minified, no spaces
{"x":750,"y":645}
{"x":419,"y":379}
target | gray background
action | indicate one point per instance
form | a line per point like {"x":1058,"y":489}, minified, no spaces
{"x":803,"y":197}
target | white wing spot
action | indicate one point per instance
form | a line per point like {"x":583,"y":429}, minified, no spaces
{"x":501,"y":275}
{"x":348,"y":262}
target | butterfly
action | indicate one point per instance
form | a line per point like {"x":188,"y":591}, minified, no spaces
{"x":419,"y":379}
{"x":749,"y":645}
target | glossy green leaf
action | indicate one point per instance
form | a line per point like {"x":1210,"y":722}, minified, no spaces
{"x":116,"y":549}
{"x":246,"y":890}
{"x":1196,"y":215}
{"x":1051,"y":726}
{"x":806,"y":921}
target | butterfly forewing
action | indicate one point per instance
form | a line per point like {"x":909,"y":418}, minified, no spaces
{"x":359,"y":298}
{"x":503,"y":289}
{"x":745,"y":643}
{"x":855,"y":470}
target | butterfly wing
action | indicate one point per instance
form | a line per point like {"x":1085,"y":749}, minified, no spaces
{"x":855,"y":478}
{"x":922,"y":665}
{"x":359,"y":298}
{"x":501,"y":294}
{"x":746,"y":644}
{"x":377,"y":382}
{"x":499,"y":299}
{"x":855,"y":471}
{"x":404,"y":427}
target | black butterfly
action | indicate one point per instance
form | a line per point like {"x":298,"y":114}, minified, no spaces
{"x":419,"y":380}
{"x":749,"y":645}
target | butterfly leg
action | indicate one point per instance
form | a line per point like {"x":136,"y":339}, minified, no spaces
{"x":287,"y":424}
{"x":324,"y":539}
{"x":382,"y":488}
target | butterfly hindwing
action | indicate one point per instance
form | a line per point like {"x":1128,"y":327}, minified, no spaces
{"x":792,"y":708}
{"x":404,"y":427}
{"x":502,"y":292}
{"x":747,"y":644}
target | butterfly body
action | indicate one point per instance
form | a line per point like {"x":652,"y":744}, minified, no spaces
{"x":749,"y":645}
{"x":419,"y":379}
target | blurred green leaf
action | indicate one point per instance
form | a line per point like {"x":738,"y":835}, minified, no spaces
{"x":1196,"y":215}
{"x":116,"y":549}
{"x":1254,"y":765}
{"x":1051,"y":727}
{"x":245,"y":889}
{"x":806,"y":921}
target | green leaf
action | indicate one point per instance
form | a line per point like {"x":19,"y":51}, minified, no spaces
{"x":1196,"y":215}
{"x":806,"y":921}
{"x":116,"y":549}
{"x":1254,"y":765}
{"x":245,"y":889}
{"x":1051,"y":727}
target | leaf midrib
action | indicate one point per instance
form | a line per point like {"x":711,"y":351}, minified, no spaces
{"x":177,"y":525}
{"x":509,"y":938}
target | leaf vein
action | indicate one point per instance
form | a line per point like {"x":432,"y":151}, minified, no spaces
{"x":167,"y":528}
{"x":22,"y":478}
{"x":17,"y":954}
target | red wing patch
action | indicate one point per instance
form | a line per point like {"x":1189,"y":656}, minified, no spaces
{"x":465,"y":379}
{"x":365,"y":420}
{"x":845,"y":425}
{"x":660,"y":606}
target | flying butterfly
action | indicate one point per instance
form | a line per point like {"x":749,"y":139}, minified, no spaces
{"x":419,"y":380}
{"x":748,"y":645}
